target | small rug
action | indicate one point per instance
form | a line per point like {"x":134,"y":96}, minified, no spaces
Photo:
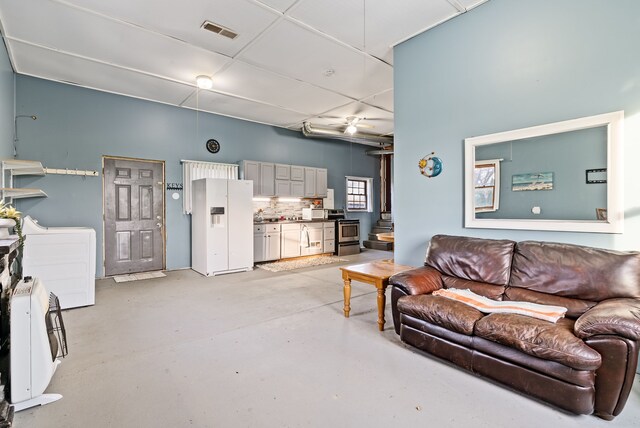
{"x":300,"y":263}
{"x":138,"y":276}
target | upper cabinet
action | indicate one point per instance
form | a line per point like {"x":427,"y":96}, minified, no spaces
{"x":13,"y":167}
{"x":283,"y":172}
{"x":263,"y":176}
{"x":309,"y":182}
{"x":273,"y":179}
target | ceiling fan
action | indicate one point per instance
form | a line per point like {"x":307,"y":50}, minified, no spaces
{"x":352,"y":123}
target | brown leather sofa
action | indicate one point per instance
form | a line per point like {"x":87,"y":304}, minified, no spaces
{"x":585,"y":363}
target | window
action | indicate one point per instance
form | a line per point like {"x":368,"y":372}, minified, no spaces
{"x":359,"y":194}
{"x":486,"y":181}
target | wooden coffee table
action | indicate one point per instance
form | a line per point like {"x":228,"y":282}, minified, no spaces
{"x":376,"y":273}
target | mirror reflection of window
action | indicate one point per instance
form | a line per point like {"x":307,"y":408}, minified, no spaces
{"x":486,"y":181}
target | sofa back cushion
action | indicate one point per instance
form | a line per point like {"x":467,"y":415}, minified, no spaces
{"x":572,"y":271}
{"x":491,"y":291}
{"x":474,"y":259}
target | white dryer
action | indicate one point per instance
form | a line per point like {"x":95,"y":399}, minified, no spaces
{"x":64,"y":258}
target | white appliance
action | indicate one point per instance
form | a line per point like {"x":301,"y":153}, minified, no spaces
{"x":221,"y":226}
{"x":37,"y":339}
{"x":313,"y":214}
{"x":64,"y":258}
{"x":328,"y":202}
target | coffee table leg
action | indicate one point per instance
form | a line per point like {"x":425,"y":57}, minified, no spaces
{"x":381,"y":304}
{"x":347,"y":297}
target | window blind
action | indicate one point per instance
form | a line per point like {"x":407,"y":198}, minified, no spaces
{"x":194,"y":170}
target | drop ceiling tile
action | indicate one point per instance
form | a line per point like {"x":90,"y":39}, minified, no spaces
{"x":39,"y":22}
{"x":258,"y":84}
{"x":383,"y":100}
{"x":381,"y":121}
{"x":243,"y":109}
{"x":52,"y":65}
{"x":303,"y":54}
{"x":279,"y":5}
{"x":376,"y":27}
{"x":183,"y":20}
{"x":469,"y":4}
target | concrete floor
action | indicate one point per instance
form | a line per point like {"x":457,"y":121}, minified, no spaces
{"x":263,"y":349}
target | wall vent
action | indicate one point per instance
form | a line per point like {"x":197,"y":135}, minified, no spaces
{"x":219,"y":29}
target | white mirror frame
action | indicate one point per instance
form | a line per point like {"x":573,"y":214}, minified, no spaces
{"x":615,"y":192}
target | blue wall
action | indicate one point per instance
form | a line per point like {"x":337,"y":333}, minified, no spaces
{"x":571,"y":197}
{"x":507,"y":65}
{"x":76,"y":126}
{"x":6,"y":104}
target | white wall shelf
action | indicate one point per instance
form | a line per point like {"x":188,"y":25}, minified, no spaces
{"x":12,"y":167}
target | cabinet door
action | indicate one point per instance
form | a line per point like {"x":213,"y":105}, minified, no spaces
{"x":283,"y":188}
{"x":297,"y":189}
{"x":259,"y":247}
{"x":267,"y":179}
{"x":309,"y":182}
{"x":329,"y":246}
{"x":283,"y":172}
{"x":252,"y":172}
{"x":297,"y":173}
{"x":273,"y":246}
{"x":290,"y":243}
{"x":315,"y":242}
{"x":321,"y":182}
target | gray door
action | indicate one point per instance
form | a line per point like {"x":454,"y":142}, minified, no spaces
{"x":133,"y":216}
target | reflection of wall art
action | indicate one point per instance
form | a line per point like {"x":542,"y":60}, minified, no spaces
{"x":532,"y":181}
{"x":601,"y":213}
{"x":432,"y":170}
{"x":598,"y":175}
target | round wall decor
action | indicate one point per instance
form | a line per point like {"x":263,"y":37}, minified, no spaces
{"x":432,"y":170}
{"x":213,"y":146}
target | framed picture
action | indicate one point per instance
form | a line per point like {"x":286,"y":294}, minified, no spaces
{"x":601,"y":213}
{"x":532,"y":181}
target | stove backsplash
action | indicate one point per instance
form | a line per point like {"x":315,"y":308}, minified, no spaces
{"x":276,"y":209}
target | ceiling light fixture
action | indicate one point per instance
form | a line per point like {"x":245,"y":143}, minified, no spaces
{"x":204,"y":82}
{"x":351,"y":129}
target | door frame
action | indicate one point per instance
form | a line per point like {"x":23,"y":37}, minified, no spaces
{"x":164,"y":209}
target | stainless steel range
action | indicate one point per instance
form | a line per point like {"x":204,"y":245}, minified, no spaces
{"x":347,"y":233}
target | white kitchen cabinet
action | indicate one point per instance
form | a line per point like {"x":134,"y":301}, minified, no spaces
{"x":259,"y":247}
{"x":283,"y":188}
{"x":267,"y":179}
{"x":329,"y":237}
{"x":283,"y":172}
{"x":309,"y":182}
{"x":297,"y":189}
{"x":266,"y":242}
{"x":297,"y":173}
{"x":290,"y":240}
{"x":321,"y":182}
{"x":251,"y":170}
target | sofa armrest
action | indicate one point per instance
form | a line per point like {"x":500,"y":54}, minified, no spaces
{"x":422,"y":280}
{"x":619,"y":317}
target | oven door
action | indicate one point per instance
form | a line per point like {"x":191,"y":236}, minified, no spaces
{"x":349,"y":232}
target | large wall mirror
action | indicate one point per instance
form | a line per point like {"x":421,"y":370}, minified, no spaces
{"x":564,"y":176}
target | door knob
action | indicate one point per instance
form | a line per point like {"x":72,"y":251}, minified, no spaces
{"x":159,"y":225}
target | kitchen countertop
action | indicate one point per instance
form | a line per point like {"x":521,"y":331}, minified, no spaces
{"x":294,"y":221}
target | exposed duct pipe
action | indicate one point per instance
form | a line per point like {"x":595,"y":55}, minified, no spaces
{"x":370,"y":140}
{"x":379,"y":152}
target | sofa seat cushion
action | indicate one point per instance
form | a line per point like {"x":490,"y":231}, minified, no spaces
{"x":542,"y":339}
{"x":443,"y":312}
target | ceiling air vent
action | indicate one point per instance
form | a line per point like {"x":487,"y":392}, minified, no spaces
{"x":219,"y":29}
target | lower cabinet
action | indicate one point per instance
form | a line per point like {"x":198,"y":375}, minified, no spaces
{"x":266,"y":242}
{"x":329,"y":236}
{"x":290,"y":240}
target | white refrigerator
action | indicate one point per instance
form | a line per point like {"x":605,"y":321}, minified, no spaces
{"x":221,"y":226}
